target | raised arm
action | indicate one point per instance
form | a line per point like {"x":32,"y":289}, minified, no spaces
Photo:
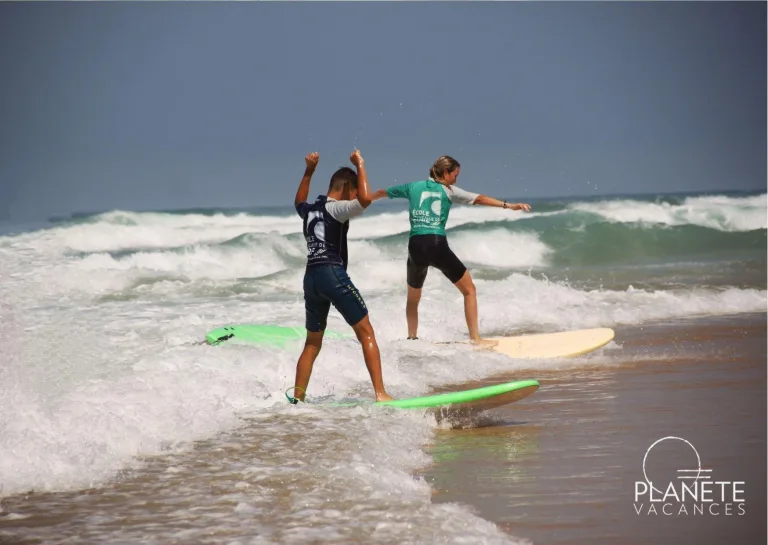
{"x":303,"y":192}
{"x":484,"y":200}
{"x":363,"y":192}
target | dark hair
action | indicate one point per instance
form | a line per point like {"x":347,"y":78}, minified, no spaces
{"x":345,"y":176}
{"x":444,"y":164}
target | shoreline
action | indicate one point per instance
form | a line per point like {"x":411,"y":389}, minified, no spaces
{"x":562,"y":470}
{"x":556,"y":467}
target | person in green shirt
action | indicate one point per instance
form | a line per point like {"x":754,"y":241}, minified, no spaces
{"x":430,"y":202}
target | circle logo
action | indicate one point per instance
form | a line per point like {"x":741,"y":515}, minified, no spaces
{"x":697,"y":470}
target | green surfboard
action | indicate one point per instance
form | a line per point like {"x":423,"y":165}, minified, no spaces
{"x":477,"y":399}
{"x":261,"y":334}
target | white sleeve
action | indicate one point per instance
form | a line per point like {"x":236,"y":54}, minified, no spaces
{"x":458,"y":195}
{"x":344,"y":210}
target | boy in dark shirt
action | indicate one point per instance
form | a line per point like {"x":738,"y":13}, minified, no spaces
{"x":326,"y":223}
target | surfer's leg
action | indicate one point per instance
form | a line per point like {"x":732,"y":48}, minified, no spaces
{"x":316,"y":309}
{"x":364,"y":331}
{"x":412,"y":311}
{"x":455,"y":271}
{"x":348,"y":301}
{"x":467,"y":288}
{"x":312,"y":347}
{"x":415,"y":276}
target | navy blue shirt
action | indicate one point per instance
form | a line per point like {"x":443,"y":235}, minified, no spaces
{"x":326,"y":236}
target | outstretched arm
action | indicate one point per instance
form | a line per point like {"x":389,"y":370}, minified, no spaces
{"x":484,"y":200}
{"x":303,"y":192}
{"x":392,"y":192}
{"x":379,"y":194}
{"x":363,"y":192}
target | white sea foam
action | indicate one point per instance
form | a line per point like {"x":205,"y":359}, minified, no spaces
{"x":716,"y":212}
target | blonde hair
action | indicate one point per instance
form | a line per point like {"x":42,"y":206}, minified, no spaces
{"x":444,"y":164}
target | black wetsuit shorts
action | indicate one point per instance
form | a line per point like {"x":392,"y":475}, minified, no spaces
{"x":426,"y":251}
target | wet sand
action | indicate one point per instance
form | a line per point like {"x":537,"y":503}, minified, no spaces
{"x":560,"y":467}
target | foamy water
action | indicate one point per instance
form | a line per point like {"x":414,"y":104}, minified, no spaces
{"x":716,"y":212}
{"x":100,"y":361}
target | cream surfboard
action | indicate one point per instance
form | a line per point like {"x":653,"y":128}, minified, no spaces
{"x":551,"y":345}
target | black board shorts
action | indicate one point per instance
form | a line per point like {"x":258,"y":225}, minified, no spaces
{"x":426,"y":251}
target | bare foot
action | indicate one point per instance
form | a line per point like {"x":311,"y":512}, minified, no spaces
{"x":384,"y":397}
{"x":486,"y":343}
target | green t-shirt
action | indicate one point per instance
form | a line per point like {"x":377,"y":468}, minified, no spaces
{"x":429,"y":203}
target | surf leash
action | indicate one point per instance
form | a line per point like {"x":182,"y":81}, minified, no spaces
{"x":294,"y":400}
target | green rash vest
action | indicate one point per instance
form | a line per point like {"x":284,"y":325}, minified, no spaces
{"x":429,"y":203}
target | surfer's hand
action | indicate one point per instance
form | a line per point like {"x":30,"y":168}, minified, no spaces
{"x":356,"y":158}
{"x":312,"y":159}
{"x":520,"y":206}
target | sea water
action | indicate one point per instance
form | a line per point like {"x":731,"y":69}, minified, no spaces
{"x":102,"y":366}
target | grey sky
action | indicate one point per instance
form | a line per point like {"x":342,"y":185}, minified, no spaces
{"x":173,"y":105}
